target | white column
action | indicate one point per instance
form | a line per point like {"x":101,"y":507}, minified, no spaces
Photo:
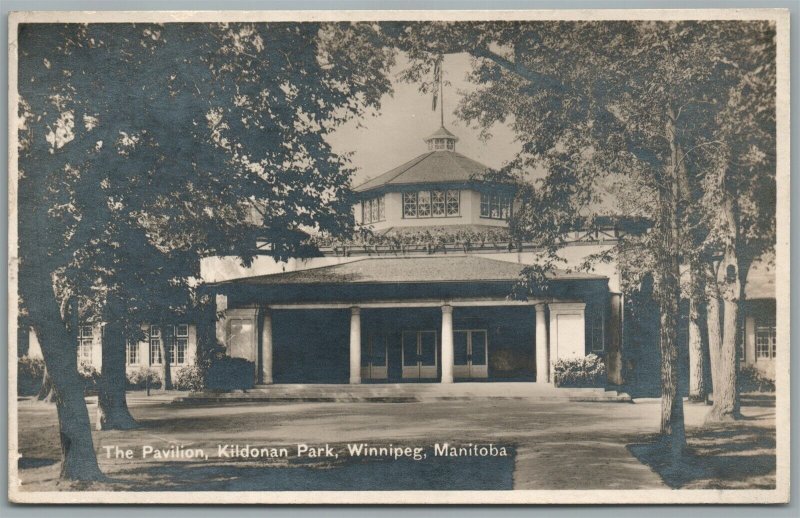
{"x":542,"y":347}
{"x":355,"y":345}
{"x":447,"y":344}
{"x":266,"y":346}
{"x":566,"y":336}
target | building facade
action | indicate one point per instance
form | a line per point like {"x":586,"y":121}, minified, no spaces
{"x":178,"y":339}
{"x":426,"y":296}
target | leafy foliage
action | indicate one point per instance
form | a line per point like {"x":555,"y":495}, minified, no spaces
{"x":190,"y":377}
{"x":226,"y":373}
{"x":30,"y":373}
{"x":589,"y":371}
{"x":143,"y":377}
{"x":752,"y":380}
{"x":89,"y":374}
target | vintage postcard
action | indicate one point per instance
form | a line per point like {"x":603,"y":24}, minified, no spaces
{"x":399,"y":257}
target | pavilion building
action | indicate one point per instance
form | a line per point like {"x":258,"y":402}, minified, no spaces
{"x":426,"y":297}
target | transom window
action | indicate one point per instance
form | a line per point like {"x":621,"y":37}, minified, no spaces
{"x":765,"y":339}
{"x":431,"y":204}
{"x":373,"y":210}
{"x":85,"y":343}
{"x":495,"y":205}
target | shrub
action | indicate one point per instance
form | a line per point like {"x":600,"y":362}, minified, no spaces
{"x":138,"y":379}
{"x":752,"y":380}
{"x":89,"y":375}
{"x":226,"y":373}
{"x":189,"y":377}
{"x":30,"y":373}
{"x":589,"y":371}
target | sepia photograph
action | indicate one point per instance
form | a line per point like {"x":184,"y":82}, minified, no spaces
{"x":386,"y":257}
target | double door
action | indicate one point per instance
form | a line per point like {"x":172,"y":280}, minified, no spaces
{"x":470,"y":354}
{"x":420,"y":356}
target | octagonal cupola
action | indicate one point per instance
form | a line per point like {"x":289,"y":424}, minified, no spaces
{"x":441,"y":140}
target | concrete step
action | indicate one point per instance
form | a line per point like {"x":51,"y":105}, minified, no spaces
{"x":404,"y":393}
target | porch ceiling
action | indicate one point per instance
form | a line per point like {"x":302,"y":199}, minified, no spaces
{"x":393,"y":270}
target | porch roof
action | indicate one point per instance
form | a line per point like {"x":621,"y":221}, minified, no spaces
{"x":393,"y":270}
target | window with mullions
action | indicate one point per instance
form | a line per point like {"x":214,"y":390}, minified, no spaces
{"x":373,"y":210}
{"x":431,"y":204}
{"x":155,"y":345}
{"x":85,"y":343}
{"x":765,"y":339}
{"x":132,"y":353}
{"x":495,"y":205}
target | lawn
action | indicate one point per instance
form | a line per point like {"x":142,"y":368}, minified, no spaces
{"x":549,"y":445}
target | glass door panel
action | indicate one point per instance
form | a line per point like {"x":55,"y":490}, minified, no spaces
{"x":427,"y":354}
{"x":409,"y":348}
{"x":478,"y":364}
{"x":478,"y":351}
{"x":460,"y":347}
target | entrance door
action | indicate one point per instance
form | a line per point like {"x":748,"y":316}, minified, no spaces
{"x":470,"y":354}
{"x":419,"y":354}
{"x":373,"y":357}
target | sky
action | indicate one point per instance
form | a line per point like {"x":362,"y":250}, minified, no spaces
{"x":395,"y":134}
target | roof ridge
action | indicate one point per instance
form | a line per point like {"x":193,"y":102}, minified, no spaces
{"x":411,"y":163}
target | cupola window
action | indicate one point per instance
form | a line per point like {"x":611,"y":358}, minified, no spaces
{"x":442,"y":140}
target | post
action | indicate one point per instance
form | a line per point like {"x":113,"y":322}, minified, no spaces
{"x":355,"y":345}
{"x":614,"y":356}
{"x":266,"y":346}
{"x":542,"y":352}
{"x":447,"y":344}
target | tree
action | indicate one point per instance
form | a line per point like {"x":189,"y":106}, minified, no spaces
{"x":739,"y":201}
{"x":145,"y":147}
{"x":601,"y":100}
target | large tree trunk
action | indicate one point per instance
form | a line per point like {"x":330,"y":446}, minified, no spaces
{"x":672,"y":423}
{"x":714,"y":325}
{"x":725,"y":359}
{"x":112,"y":408}
{"x":698,"y":384}
{"x":79,"y":461}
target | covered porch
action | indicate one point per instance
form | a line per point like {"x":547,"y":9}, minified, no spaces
{"x":302,"y":327}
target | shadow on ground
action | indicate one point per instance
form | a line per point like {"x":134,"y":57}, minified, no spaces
{"x":437,"y":473}
{"x":715,"y":458}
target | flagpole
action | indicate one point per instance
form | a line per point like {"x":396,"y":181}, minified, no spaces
{"x":441,"y":93}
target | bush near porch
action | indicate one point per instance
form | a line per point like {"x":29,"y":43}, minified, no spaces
{"x":589,"y":371}
{"x":144,"y":376}
{"x":227,"y":373}
{"x":753,"y":380}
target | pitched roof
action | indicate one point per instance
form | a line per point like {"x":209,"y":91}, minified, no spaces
{"x":442,"y":132}
{"x":392,"y":270}
{"x":431,"y":167}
